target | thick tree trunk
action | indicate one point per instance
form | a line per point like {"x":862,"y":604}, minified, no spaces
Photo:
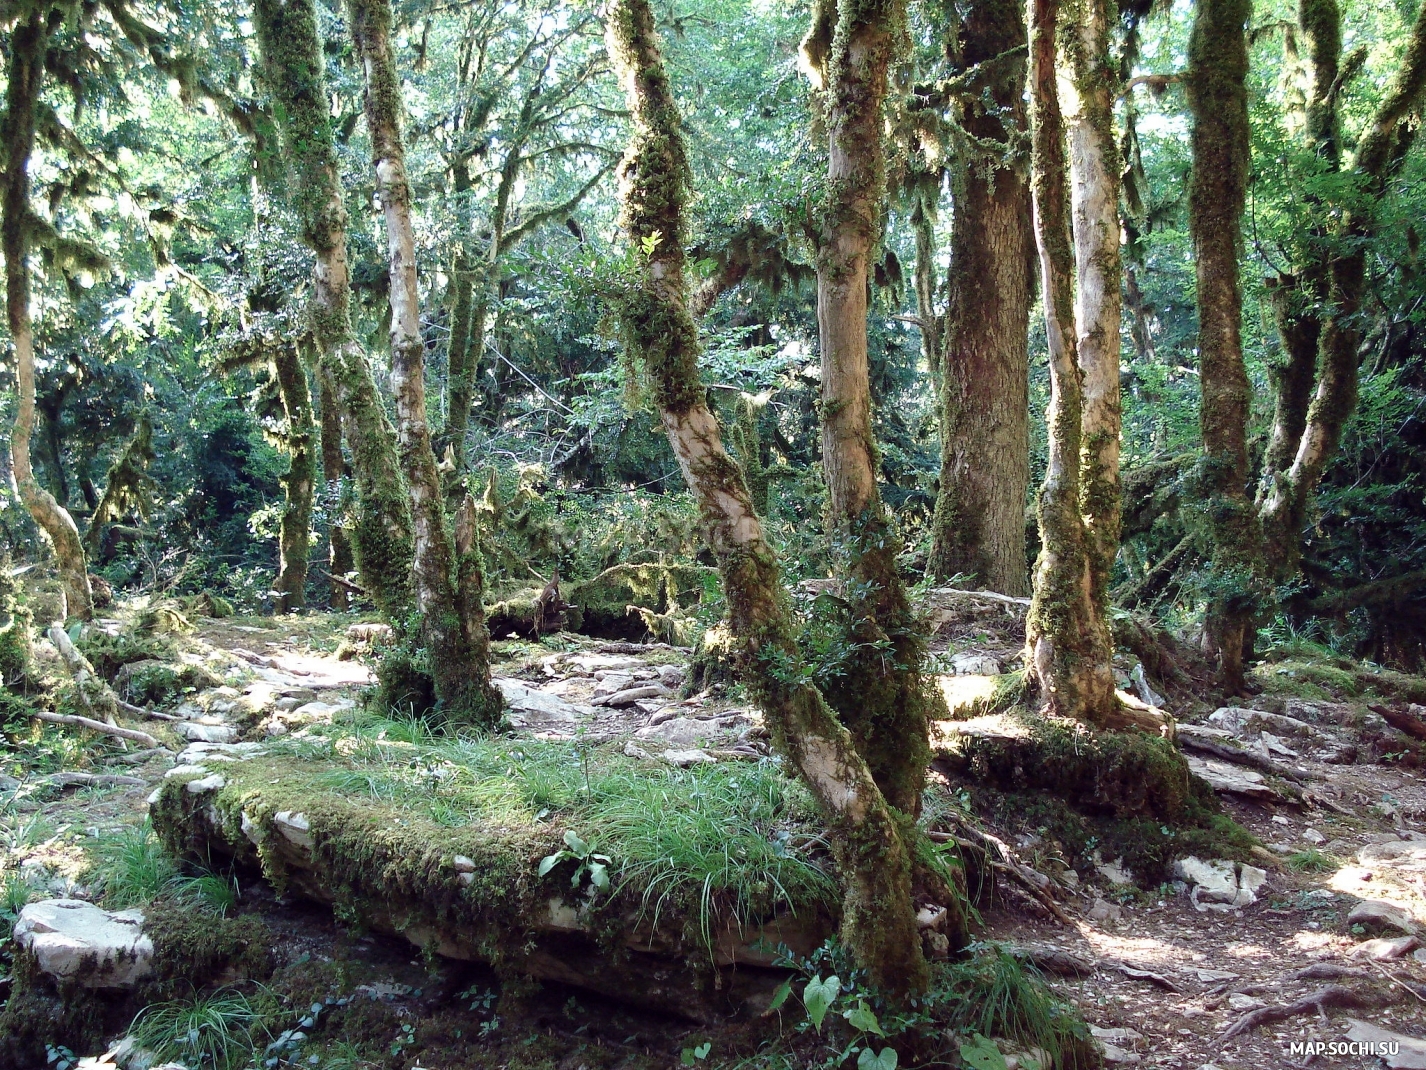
{"x":334,"y":465}
{"x":292,"y":60}
{"x":878,"y":925}
{"x":1218,"y":97}
{"x":452,"y":626}
{"x":28,"y":43}
{"x":1066,"y":640}
{"x":879,"y":695}
{"x":979,"y":524}
{"x":295,"y":531}
{"x":1094,"y":183}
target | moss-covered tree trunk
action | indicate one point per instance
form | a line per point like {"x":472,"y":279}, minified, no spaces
{"x":979,"y":523}
{"x":1342,"y":263}
{"x":1065,"y":637}
{"x":880,"y":694}
{"x":1088,"y":97}
{"x":28,"y":44}
{"x":867,"y":837}
{"x":452,"y":626}
{"x":292,"y":65}
{"x":298,"y":485}
{"x":1218,"y":97}
{"x":334,"y":470}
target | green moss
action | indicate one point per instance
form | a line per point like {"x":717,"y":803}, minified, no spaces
{"x":109,"y":653}
{"x":195,"y":948}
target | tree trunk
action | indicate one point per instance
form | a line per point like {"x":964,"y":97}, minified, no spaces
{"x":295,"y":532}
{"x":339,"y":548}
{"x":979,"y":524}
{"x":1218,"y":97}
{"x":878,"y":923}
{"x":1094,"y":184}
{"x":923,"y":224}
{"x":1067,"y":643}
{"x":292,"y":59}
{"x":28,"y":43}
{"x":1300,"y":330}
{"x":452,"y":626}
{"x":879,"y":694}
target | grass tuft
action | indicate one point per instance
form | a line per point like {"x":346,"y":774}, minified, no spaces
{"x":221,"y":1030}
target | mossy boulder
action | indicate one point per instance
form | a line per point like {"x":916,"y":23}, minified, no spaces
{"x":155,"y":683}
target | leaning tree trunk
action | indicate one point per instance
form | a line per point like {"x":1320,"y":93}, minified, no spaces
{"x":878,"y":923}
{"x":295,"y":531}
{"x":879,"y":694}
{"x":1064,"y":633}
{"x":452,"y":627}
{"x":979,"y":523}
{"x":292,"y":62}
{"x":334,"y":464}
{"x":1218,"y":97}
{"x":1283,"y":509}
{"x":28,"y":43}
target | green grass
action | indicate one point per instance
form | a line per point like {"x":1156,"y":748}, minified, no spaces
{"x":133,"y":868}
{"x":219,"y":1031}
{"x":993,"y":994}
{"x":1309,"y":861}
{"x":734,"y":838}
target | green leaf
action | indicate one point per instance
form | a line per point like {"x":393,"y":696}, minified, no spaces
{"x":861,"y":1017}
{"x":885,"y":1060}
{"x":550,"y":861}
{"x":598,"y":875}
{"x":701,"y":1052}
{"x":818,"y":998}
{"x":980,"y":1053}
{"x":780,"y":996}
{"x":578,"y":846}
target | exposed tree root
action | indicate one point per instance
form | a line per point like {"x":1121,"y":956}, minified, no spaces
{"x":1328,"y":996}
{"x":98,"y":726}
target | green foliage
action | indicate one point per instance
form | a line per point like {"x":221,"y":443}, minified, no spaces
{"x":132,"y":866}
{"x":1309,"y":861}
{"x":218,"y":1031}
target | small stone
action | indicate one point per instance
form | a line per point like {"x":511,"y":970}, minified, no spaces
{"x":153,"y":797}
{"x":1216,"y":881}
{"x":213,"y":782}
{"x":630,"y":695}
{"x":1114,"y":1054}
{"x":1385,"y":950}
{"x":295,"y":828}
{"x":282,"y":705}
{"x":206,"y":733}
{"x":975,"y":665}
{"x":1313,"y":837}
{"x":463,"y":864}
{"x":684,"y":758}
{"x":1210,"y":977}
{"x":1240,"y":1002}
{"x":252,"y":830}
{"x":185,"y":770}
{"x":1250,"y":879}
{"x":466,"y":879}
{"x":1102,"y":911}
{"x":1374,"y":915}
{"x":1115,"y":872}
{"x":1116,"y":1036}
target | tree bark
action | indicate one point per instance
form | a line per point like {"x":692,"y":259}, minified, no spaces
{"x":979,"y":524}
{"x":1094,"y":166}
{"x":292,"y":60}
{"x":1069,"y":655}
{"x":879,"y":693}
{"x":452,"y":627}
{"x":29,"y":41}
{"x":295,"y":530}
{"x":1218,"y":97}
{"x":878,"y":923}
{"x":334,"y":465}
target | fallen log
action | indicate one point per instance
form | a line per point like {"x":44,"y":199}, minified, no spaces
{"x":76,"y":721}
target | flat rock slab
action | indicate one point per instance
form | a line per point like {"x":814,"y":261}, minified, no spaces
{"x":530,"y":708}
{"x":688,"y":732}
{"x":79,"y":943}
{"x":1375,"y":916}
{"x":1233,"y":780}
{"x":1410,"y":1053}
{"x":1219,"y":881}
{"x":1401,"y":855}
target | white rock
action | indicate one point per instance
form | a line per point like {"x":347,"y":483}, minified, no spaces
{"x":1209,"y":977}
{"x":681,"y":732}
{"x":588,"y":664}
{"x":684,"y":758}
{"x":1232,"y":779}
{"x":186,"y":770}
{"x":465,"y":879}
{"x":206,"y":733}
{"x":671,"y":675}
{"x":630,"y":695}
{"x":1384,"y":950}
{"x":1114,"y":1054}
{"x":1410,"y":1052}
{"x":212,"y":782}
{"x":1403,"y":855}
{"x":1116,"y":1036}
{"x":295,"y":828}
{"x":463,"y":864}
{"x":975,"y":665}
{"x":1250,"y":879}
{"x":252,"y":830}
{"x":1216,"y":881}
{"x":1313,"y":837}
{"x":528,"y":706}
{"x":1105,"y":912}
{"x":1115,"y":872}
{"x":77,"y":942}
{"x":316,"y":711}
{"x":1373,"y":914}
{"x":1240,"y":1002}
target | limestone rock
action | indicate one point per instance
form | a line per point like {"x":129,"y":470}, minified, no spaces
{"x":185,"y":770}
{"x":1115,"y":872}
{"x":629,"y":695}
{"x":684,"y":758}
{"x":206,"y":733}
{"x":1233,"y":780}
{"x":529,"y":707}
{"x":1410,"y":1052}
{"x":975,"y":665}
{"x":1384,"y":950}
{"x":1104,"y":912}
{"x":687,"y":732}
{"x":1216,"y":881}
{"x":212,"y":782}
{"x":1241,"y":1002}
{"x":295,"y":828}
{"x":1405,"y":855}
{"x":1375,"y":916}
{"x":77,"y":942}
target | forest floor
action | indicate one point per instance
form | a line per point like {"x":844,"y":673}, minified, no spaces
{"x":1166,"y":972}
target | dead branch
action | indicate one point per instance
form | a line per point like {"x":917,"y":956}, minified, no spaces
{"x":93,"y":780}
{"x":76,"y":721}
{"x":1012,"y":866}
{"x":1188,"y":740}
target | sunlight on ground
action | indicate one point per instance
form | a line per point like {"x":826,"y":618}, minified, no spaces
{"x":964,"y":690}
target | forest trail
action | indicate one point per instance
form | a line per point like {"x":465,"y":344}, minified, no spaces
{"x":1160,"y":974}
